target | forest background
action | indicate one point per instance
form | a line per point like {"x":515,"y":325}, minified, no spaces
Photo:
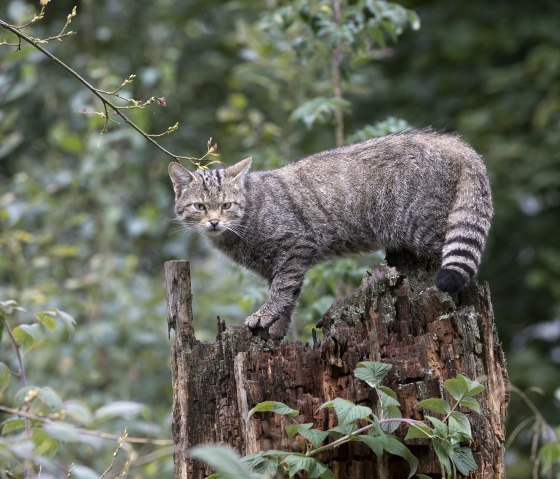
{"x":86,"y":222}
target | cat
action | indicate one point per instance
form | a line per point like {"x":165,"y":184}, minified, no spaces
{"x":423,"y":191}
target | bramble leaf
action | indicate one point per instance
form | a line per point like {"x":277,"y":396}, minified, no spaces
{"x":374,"y":443}
{"x":459,"y":423}
{"x":276,"y":407}
{"x":5,"y":376}
{"x":463,"y":460}
{"x":440,"y":427}
{"x":419,"y":431}
{"x":226,"y":463}
{"x":393,"y":446}
{"x":438,"y":405}
{"x":470,"y":403}
{"x":372,"y":372}
{"x":347,"y":412}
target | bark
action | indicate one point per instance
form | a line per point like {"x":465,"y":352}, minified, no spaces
{"x":396,"y":316}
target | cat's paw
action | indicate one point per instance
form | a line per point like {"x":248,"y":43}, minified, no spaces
{"x":276,"y":325}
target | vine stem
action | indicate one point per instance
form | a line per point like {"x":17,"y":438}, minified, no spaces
{"x":89,"y":432}
{"x":98,"y":93}
{"x":343,"y":439}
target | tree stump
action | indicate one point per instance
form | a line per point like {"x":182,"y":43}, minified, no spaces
{"x":396,"y":316}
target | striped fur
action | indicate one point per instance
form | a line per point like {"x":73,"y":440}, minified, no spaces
{"x":423,"y":191}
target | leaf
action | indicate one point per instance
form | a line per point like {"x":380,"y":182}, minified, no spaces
{"x":442,"y":450}
{"x":50,"y":398}
{"x":274,"y":406}
{"x":419,"y":431}
{"x":5,"y":376}
{"x":12,"y":424}
{"x":372,"y":372}
{"x":68,"y":321}
{"x":387,"y":396}
{"x":470,"y":403}
{"x":423,"y":476}
{"x":26,"y":335}
{"x":464,"y":460}
{"x":262,"y":463}
{"x":342,"y":430}
{"x":391,"y":412}
{"x":45,"y":445}
{"x":223,"y":460}
{"x":9,"y":306}
{"x":317,"y":110}
{"x":457,"y":387}
{"x":440,"y":427}
{"x":393,"y":446}
{"x":474,"y":387}
{"x":62,"y":431}
{"x":438,"y":405}
{"x":374,"y":443}
{"x":314,"y":468}
{"x":347,"y":412}
{"x":314,"y":436}
{"x":47,"y":319}
{"x":549,"y":455}
{"x":126,"y":409}
{"x":459,"y":424}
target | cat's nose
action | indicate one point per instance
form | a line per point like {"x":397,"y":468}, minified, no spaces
{"x":214,"y":223}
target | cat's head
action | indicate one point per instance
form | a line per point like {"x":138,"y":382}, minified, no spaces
{"x":210,"y":201}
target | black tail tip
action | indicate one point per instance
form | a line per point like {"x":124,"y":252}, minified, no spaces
{"x":450,"y":281}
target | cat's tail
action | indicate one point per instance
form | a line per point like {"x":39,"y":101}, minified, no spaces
{"x":467,"y":227}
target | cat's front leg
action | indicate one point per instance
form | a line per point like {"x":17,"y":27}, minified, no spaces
{"x":275,"y":315}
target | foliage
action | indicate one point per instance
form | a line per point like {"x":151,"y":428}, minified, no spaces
{"x":373,"y":427}
{"x":46,"y":434}
{"x":86,"y":225}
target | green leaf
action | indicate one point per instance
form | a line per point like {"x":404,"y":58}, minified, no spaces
{"x":274,"y":406}
{"x":374,"y":443}
{"x":347,"y":412}
{"x":391,"y":412}
{"x":470,"y":403}
{"x":314,"y":436}
{"x":314,"y":468}
{"x":68,"y":321}
{"x":423,"y":476}
{"x":419,"y":431}
{"x":464,"y":460}
{"x":342,"y":430}
{"x":45,"y":445}
{"x":62,"y":431}
{"x":549,"y":455}
{"x":26,"y":335}
{"x":262,"y":463}
{"x":443,"y":450}
{"x":50,"y":398}
{"x":5,"y":376}
{"x":387,"y":396}
{"x":474,"y":387}
{"x":223,"y":460}
{"x":372,"y":372}
{"x":12,"y":424}
{"x":292,"y":430}
{"x":459,"y":424}
{"x":457,"y":387}
{"x":393,"y":446}
{"x":126,"y":409}
{"x":438,"y":405}
{"x":47,"y":319}
{"x":440,"y":427}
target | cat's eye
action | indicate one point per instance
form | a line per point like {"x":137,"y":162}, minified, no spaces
{"x":226,"y":206}
{"x":199,"y":206}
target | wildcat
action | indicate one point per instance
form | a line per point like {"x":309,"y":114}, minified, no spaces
{"x":423,"y":191}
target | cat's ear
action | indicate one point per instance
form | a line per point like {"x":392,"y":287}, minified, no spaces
{"x":239,"y":169}
{"x":180,"y":177}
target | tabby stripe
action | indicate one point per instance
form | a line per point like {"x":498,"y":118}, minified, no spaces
{"x":461,"y":225}
{"x":465,"y":240}
{"x":461,"y":252}
{"x":481,"y":213}
{"x":465,"y":267}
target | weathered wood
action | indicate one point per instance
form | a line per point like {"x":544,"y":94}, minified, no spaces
{"x":397,"y":317}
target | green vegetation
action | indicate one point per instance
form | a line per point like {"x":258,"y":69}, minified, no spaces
{"x":86,"y":222}
{"x":449,"y":435}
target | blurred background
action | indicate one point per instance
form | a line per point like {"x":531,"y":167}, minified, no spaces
{"x":86,"y":220}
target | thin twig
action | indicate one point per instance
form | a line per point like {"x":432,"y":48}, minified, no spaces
{"x":98,"y":93}
{"x":89,"y":432}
